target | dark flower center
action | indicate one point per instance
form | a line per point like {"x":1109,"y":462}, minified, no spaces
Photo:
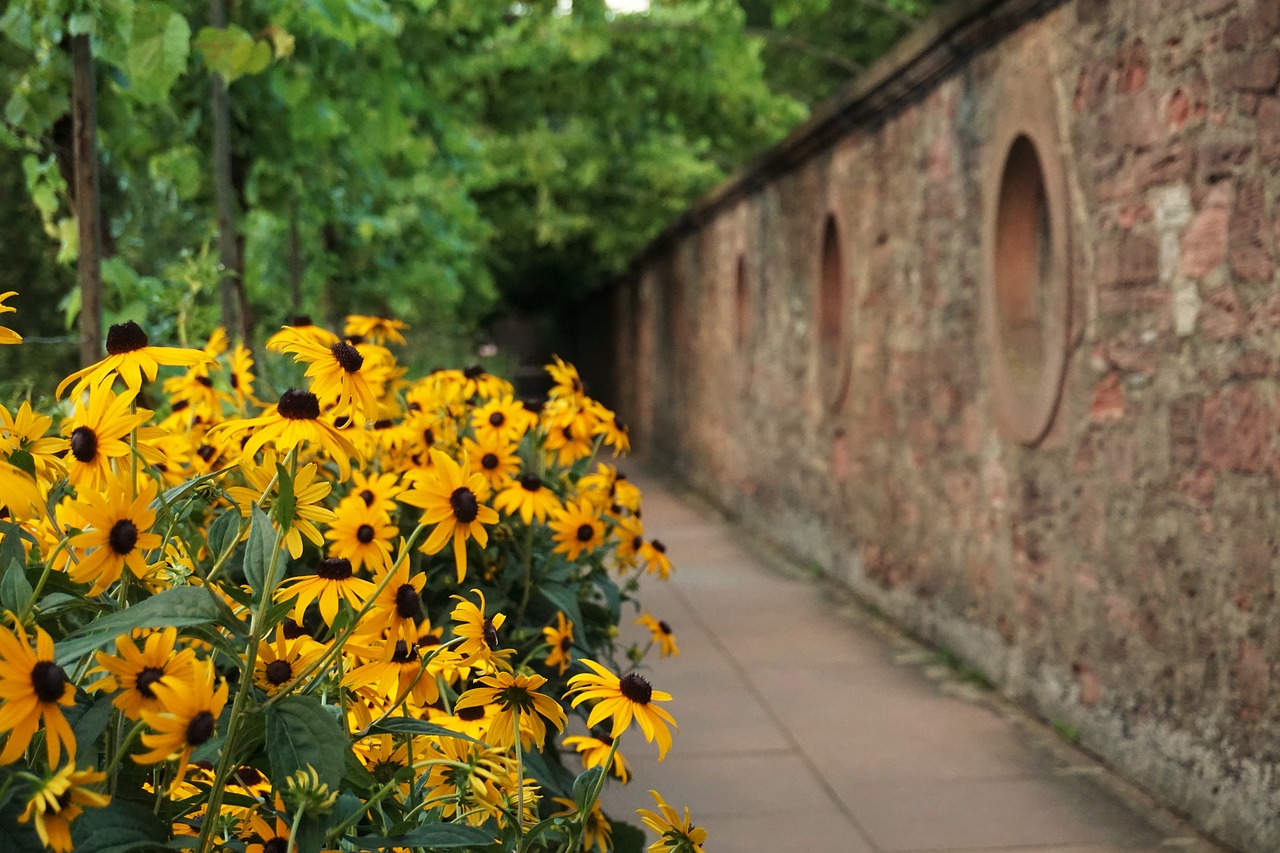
{"x":404,"y":653}
{"x":489,"y":461}
{"x":125,"y":337}
{"x":206,"y":452}
{"x":531,"y":482}
{"x":200,"y":729}
{"x":585,"y":532}
{"x":235,"y":380}
{"x":367,"y":496}
{"x":659,"y":547}
{"x":84,"y":444}
{"x":364,"y":533}
{"x":347,"y":356}
{"x":123,"y":536}
{"x":464,"y":503}
{"x":294,"y":630}
{"x":490,"y":634}
{"x":637,"y":542}
{"x":355,"y":339}
{"x":302,"y":320}
{"x":428,"y":437}
{"x":298,"y":405}
{"x":497,"y":419}
{"x":147,"y":677}
{"x":49,"y":681}
{"x":276,"y":845}
{"x":408,"y":603}
{"x":278,"y":672}
{"x":531,"y":404}
{"x":469,"y":715}
{"x":414,"y":407}
{"x":334,"y":568}
{"x":565,"y":644}
{"x":205,"y":381}
{"x":341,"y":422}
{"x":666,"y":629}
{"x":635,"y":688}
{"x":180,"y":405}
{"x":475,"y":371}
{"x":250,"y":776}
{"x":567,"y":432}
{"x":428,"y":640}
{"x":384,"y":423}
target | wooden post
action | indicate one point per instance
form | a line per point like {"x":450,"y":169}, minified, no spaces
{"x":223,"y":191}
{"x":84,"y":116}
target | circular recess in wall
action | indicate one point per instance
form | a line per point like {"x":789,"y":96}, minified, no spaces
{"x":834,"y":369}
{"x":1026,"y":289}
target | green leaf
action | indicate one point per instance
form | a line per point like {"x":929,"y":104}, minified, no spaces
{"x":285,"y":502}
{"x":92,"y":723}
{"x":224,"y":531}
{"x":232,"y":52}
{"x":257,"y":555}
{"x":24,"y":461}
{"x":442,"y":836}
{"x":15,"y":836}
{"x":15,"y":589}
{"x":123,"y":825}
{"x":410,"y":726}
{"x":180,"y":607}
{"x":159,"y":44}
{"x":584,"y":785}
{"x":301,"y":732}
{"x":628,"y":838}
{"x":12,"y":550}
{"x":565,"y":598}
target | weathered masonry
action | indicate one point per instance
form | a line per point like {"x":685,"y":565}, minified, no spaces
{"x":995,"y":340}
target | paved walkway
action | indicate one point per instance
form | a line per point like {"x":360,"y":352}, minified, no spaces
{"x":808,"y":727}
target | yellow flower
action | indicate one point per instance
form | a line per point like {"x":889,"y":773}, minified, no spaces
{"x":576,"y":528}
{"x":117,"y":534}
{"x":307,"y":494}
{"x":623,"y":699}
{"x":380,"y":330}
{"x":662,"y":635}
{"x":61,"y":799}
{"x":279,"y":660}
{"x":26,"y":431}
{"x":597,"y":832}
{"x":362,"y":534}
{"x":594,"y":751}
{"x":451,"y":498}
{"x":675,"y":834}
{"x":335,"y":373}
{"x":502,"y":419}
{"x":98,"y":433}
{"x":333,"y":582}
{"x":188,"y":720}
{"x":8,"y":336}
{"x":32,"y":687}
{"x":397,"y":609}
{"x":654,"y":555}
{"x":495,"y":457}
{"x":514,"y":693}
{"x":293,"y":421}
{"x":134,"y":673}
{"x":528,"y":497}
{"x":560,"y":641}
{"x":569,"y":433}
{"x":479,"y":647}
{"x":567,"y":382}
{"x":130,"y":356}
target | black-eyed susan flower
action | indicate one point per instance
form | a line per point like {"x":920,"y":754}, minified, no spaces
{"x":32,"y":689}
{"x":654,"y":555}
{"x":334,"y":371}
{"x":134,"y":672}
{"x":529,"y":498}
{"x":241,"y":376}
{"x":131,"y":357}
{"x":188,"y":719}
{"x":661,"y":634}
{"x":568,"y":435}
{"x":59,"y":800}
{"x":623,"y":699}
{"x":452,"y":498}
{"x":576,"y":527}
{"x":594,"y":751}
{"x":567,"y":382}
{"x":263,"y":837}
{"x":611,"y":429}
{"x":502,"y":419}
{"x":302,"y":325}
{"x":676,"y":834}
{"x":376,"y":490}
{"x":559,"y":639}
{"x":597,"y":832}
{"x":97,"y":433}
{"x":333,"y":583}
{"x":468,"y":784}
{"x":27,"y":432}
{"x":282,"y":658}
{"x":8,"y":336}
{"x":309,"y":489}
{"x":293,"y":422}
{"x":22,"y":497}
{"x":397,"y":669}
{"x":117,"y":534}
{"x":380,"y":330}
{"x":362,"y":534}
{"x":480,"y":647}
{"x":515,"y":694}
{"x":628,"y":536}
{"x":495,"y":458}
{"x":397,"y":610}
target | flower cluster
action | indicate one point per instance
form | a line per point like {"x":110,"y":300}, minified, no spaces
{"x":358,"y":616}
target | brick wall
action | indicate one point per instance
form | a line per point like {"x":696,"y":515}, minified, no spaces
{"x":1097,"y":533}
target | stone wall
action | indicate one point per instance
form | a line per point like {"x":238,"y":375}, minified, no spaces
{"x":995,"y":339}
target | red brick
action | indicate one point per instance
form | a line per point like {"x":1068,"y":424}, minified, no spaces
{"x":1221,"y":158}
{"x":1127,"y":257}
{"x":1204,"y":243}
{"x":1235,"y":430}
{"x":1269,"y":129}
{"x":1221,"y":317}
{"x":1235,"y":35}
{"x":1249,"y":242}
{"x":1108,"y":400}
{"x":1088,"y":683}
{"x":1133,"y":75}
{"x":1256,"y":71}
